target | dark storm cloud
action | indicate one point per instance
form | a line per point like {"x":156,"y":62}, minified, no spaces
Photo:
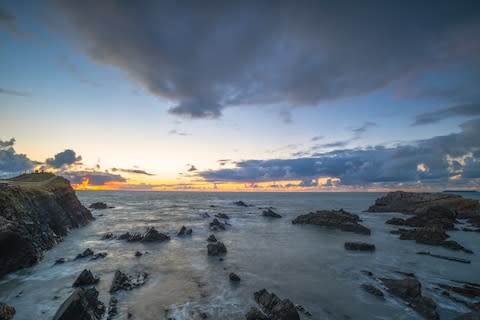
{"x":15,"y":92}
{"x":205,"y":56}
{"x":466,"y":110}
{"x":12,"y":163}
{"x":94,"y":178}
{"x":424,"y":160}
{"x":63,"y":159}
{"x":132,"y":171}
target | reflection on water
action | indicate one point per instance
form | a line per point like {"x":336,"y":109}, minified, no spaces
{"x":307,"y":264}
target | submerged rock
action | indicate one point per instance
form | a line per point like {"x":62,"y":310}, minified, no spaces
{"x":372,"y":290}
{"x":216,"y":248}
{"x":222,"y":216}
{"x":359,"y":246}
{"x":99,"y":255}
{"x":123,"y":281}
{"x":61,"y":261}
{"x":212,"y":238}
{"x":467,"y":290}
{"x":86,"y":253}
{"x":240,"y":203}
{"x":234,"y":277}
{"x":83,"y":304}
{"x":85,"y":278}
{"x":108,"y":236}
{"x":255,"y":314}
{"x":475,"y":315}
{"x":270,"y":213}
{"x":338,"y":219}
{"x":275,"y":308}
{"x":217,"y":225}
{"x":184,"y":231}
{"x":410,"y":290}
{"x":112,"y":308}
{"x":138,"y":254}
{"x":99,"y":206}
{"x":396,"y":221}
{"x":153,"y":235}
{"x":6,"y":312}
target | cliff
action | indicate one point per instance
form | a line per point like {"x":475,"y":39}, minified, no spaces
{"x":36,"y":212}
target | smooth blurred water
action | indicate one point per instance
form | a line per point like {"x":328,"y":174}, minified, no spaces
{"x":307,"y":264}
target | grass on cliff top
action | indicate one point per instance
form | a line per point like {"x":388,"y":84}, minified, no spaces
{"x":45,"y":181}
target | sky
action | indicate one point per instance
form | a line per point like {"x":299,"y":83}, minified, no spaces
{"x":242,"y":96}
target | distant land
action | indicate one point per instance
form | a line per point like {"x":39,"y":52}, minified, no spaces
{"x":469,"y":191}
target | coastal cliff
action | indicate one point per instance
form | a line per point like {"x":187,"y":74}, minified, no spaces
{"x":36,"y":212}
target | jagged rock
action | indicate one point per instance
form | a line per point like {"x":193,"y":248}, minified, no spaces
{"x":240,"y":203}
{"x":433,"y":216}
{"x":212,"y":238}
{"x":302,"y":309}
{"x":338,"y":219}
{"x":410,"y":290}
{"x":216,"y":248}
{"x":222,"y":216}
{"x":112,"y":308}
{"x":138,"y":254}
{"x":123,"y":281}
{"x":359,"y":246}
{"x":85,"y":278}
{"x":184,"y":231}
{"x":99,"y":206}
{"x":34,"y":216}
{"x":274,"y":307}
{"x":99,"y":255}
{"x":83,"y":304}
{"x":61,"y":261}
{"x":234,"y":277}
{"x":255,"y":314}
{"x":86,"y":253}
{"x":270,"y":213}
{"x":372,"y":290}
{"x":217,"y":225}
{"x":153,"y":235}
{"x":108,"y":236}
{"x":396,"y":221}
{"x":6,"y":312}
{"x":416,"y":203}
{"x":467,"y":290}
{"x":204,"y":215}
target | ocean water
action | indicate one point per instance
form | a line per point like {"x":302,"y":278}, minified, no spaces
{"x":306,"y":264}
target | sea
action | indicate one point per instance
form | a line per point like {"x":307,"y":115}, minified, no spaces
{"x":304,"y":263}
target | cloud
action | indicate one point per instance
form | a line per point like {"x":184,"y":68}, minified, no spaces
{"x":364,"y":128}
{"x":63,"y":159}
{"x":192,"y":168}
{"x":132,"y":171}
{"x":316,"y":138}
{"x":12,"y":163}
{"x":179,"y":133}
{"x":94,"y":178}
{"x":206,"y":56}
{"x":66,"y":64}
{"x":357,"y":134}
{"x":466,"y":110}
{"x":15,"y":92}
{"x":370,"y":166}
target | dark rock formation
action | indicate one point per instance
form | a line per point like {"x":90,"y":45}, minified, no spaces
{"x":270,"y":213}
{"x":275,"y":308}
{"x":475,"y":315}
{"x":212,"y":238}
{"x":150,"y":235}
{"x":216,"y":225}
{"x":439,"y":256}
{"x":86,"y":253}
{"x":467,"y":290}
{"x":433,"y":216}
{"x":434,"y":236}
{"x":112,"y":308}
{"x":99,"y":255}
{"x":372,"y":290}
{"x":108,"y":236}
{"x":61,"y":261}
{"x":6,"y":312}
{"x":184,"y":231}
{"x":34,"y":216}
{"x":255,"y":314}
{"x":153,"y":235}
{"x":338,"y":219}
{"x":99,"y":206}
{"x":216,"y":248}
{"x":83,"y":304}
{"x":359,"y":246}
{"x":138,"y":254}
{"x":222,"y":216}
{"x":240,"y":203}
{"x":396,"y":221}
{"x":123,"y":281}
{"x":85,"y":278}
{"x":234,"y":277}
{"x":410,"y":290}
{"x":416,"y":203}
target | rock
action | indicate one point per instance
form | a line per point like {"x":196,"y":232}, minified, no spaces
{"x":217,"y":225}
{"x":83,"y":304}
{"x":112,"y":308}
{"x":396,"y":221}
{"x":466,"y":290}
{"x":433,"y":216}
{"x":6,"y":312}
{"x":302,"y":309}
{"x":469,"y":316}
{"x":86,"y":253}
{"x":338,"y":219}
{"x":216,"y":248}
{"x":99,"y":206}
{"x":234,"y":277}
{"x":222,"y":216}
{"x":434,"y":236}
{"x":410,"y":290}
{"x":61,"y":261}
{"x":255,"y":314}
{"x":85,"y":278}
{"x":415,"y":203}
{"x":108,"y":236}
{"x":123,"y":281}
{"x":212,"y":238}
{"x":359,"y":246}
{"x":274,"y":307}
{"x":138,"y":254}
{"x":204,"y":215}
{"x":153,"y":235}
{"x":372,"y":290}
{"x":240,"y":203}
{"x":99,"y":255}
{"x":184,"y":231}
{"x":270,"y":213}
{"x":34,"y":217}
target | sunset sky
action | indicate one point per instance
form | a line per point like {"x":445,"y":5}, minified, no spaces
{"x":247,"y":95}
